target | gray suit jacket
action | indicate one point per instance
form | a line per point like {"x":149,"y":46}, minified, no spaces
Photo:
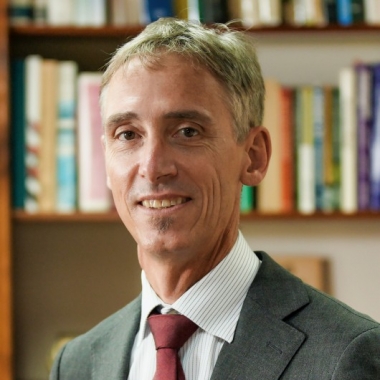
{"x":287,"y":330}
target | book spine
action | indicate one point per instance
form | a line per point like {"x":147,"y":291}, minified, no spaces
{"x":344,"y":12}
{"x":375,"y":143}
{"x":155,"y":9}
{"x":246,"y":200}
{"x":287,"y":159}
{"x":93,"y":194}
{"x":66,"y":137}
{"x":17,"y":131}
{"x":357,"y":10}
{"x":20,"y":12}
{"x":348,"y":132}
{"x":330,"y":10}
{"x":40,"y":12}
{"x":33,"y":78}
{"x":270,"y":12}
{"x":49,"y":92}
{"x":249,"y":12}
{"x":319,"y":130}
{"x":60,"y":12}
{"x":372,"y":12}
{"x":336,"y":147}
{"x":306,"y":155}
{"x":364,"y":121}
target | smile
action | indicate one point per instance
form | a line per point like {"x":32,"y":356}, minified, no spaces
{"x":164,"y":203}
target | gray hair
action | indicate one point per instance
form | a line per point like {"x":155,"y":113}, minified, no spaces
{"x":228,"y":54}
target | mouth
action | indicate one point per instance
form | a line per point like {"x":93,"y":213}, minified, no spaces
{"x":163,"y":203}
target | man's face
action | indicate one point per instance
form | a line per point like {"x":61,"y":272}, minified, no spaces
{"x":173,"y":163}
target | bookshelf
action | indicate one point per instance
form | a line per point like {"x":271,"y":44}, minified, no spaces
{"x":58,"y":249}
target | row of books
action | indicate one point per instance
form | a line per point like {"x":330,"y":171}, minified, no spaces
{"x":326,"y":146}
{"x":250,"y":12}
{"x":57,"y":160}
{"x":326,"y":142}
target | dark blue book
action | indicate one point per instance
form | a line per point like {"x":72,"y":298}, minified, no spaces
{"x":375,"y":143}
{"x":155,"y":9}
{"x":330,"y":9}
{"x":17,"y":133}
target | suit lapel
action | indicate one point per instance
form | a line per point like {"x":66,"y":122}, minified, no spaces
{"x":264,"y":344}
{"x":111,"y":353}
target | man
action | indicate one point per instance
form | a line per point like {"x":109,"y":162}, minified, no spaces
{"x":182,"y":107}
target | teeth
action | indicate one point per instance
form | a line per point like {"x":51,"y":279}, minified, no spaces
{"x":155,"y":203}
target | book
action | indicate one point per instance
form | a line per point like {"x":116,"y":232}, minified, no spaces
{"x":135,"y":12}
{"x":214,"y":11}
{"x":66,"y":177}
{"x":330,"y":11}
{"x":20,"y":12}
{"x":33,"y":79}
{"x":40,"y":12}
{"x":305,"y":151}
{"x":90,"y":12}
{"x":329,"y":201}
{"x":319,"y":132}
{"x":246,"y":199}
{"x":364,"y":125}
{"x":336,"y":184}
{"x":269,"y":192}
{"x":348,"y":138}
{"x":344,"y":12}
{"x":93,"y":194}
{"x":48,"y":133}
{"x":180,"y":9}
{"x":118,"y":12}
{"x":60,"y":12}
{"x":372,"y":12}
{"x":287,"y":149}
{"x":270,"y":12}
{"x":248,"y":12}
{"x":155,"y":9}
{"x":357,"y":10}
{"x":375,"y":143}
{"x":17,"y":132}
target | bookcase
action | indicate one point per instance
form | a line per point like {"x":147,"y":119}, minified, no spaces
{"x":61,"y":274}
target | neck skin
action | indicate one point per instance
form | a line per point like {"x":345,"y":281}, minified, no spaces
{"x":170,"y":275}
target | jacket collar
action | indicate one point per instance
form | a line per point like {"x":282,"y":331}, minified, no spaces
{"x":111,"y":354}
{"x":264,"y":344}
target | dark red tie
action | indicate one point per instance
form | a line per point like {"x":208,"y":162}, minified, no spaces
{"x":170,"y":332}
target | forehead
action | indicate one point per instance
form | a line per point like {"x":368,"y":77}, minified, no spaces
{"x":171,"y":78}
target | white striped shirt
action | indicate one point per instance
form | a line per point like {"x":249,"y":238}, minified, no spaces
{"x":213,"y":303}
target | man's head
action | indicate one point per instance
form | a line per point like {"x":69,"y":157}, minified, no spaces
{"x":229,"y":55}
{"x":174,"y":162}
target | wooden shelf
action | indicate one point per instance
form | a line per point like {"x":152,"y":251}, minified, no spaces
{"x":22,"y":216}
{"x":111,"y":31}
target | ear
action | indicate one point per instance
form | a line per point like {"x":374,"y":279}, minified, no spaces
{"x":258,"y":151}
{"x":104,"y":145}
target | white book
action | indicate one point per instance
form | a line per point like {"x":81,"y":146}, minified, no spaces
{"x":93,"y":193}
{"x":90,"y":13}
{"x":249,"y":10}
{"x":270,"y":12}
{"x":135,"y":12}
{"x":33,"y":68}
{"x":306,"y":202}
{"x":372,"y":12}
{"x":66,"y":137}
{"x":348,"y":133}
{"x":60,"y":12}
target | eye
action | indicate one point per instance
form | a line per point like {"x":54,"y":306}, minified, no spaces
{"x":188,"y":132}
{"x":127,"y":135}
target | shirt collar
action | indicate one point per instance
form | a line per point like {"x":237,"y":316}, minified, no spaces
{"x":213,"y":303}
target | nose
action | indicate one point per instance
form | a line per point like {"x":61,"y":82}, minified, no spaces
{"x":157,"y":161}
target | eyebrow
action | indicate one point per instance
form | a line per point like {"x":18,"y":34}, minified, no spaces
{"x":119,"y":118}
{"x":122,"y":117}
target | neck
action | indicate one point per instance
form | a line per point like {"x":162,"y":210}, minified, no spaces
{"x":170,"y":276}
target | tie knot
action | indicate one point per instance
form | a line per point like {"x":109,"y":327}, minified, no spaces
{"x":171,"y":330}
